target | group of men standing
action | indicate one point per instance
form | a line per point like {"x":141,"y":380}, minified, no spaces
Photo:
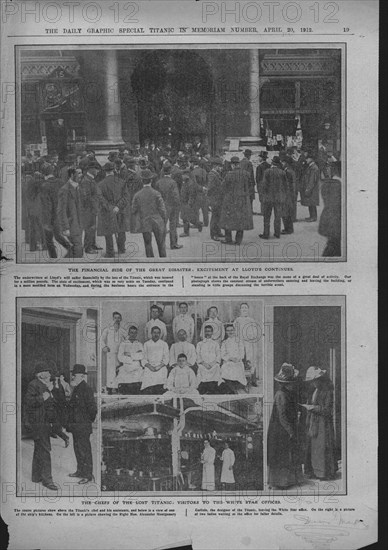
{"x":50,"y":404}
{"x":222,"y":362}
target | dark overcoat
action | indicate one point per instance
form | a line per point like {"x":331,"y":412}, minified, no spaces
{"x":215,"y":190}
{"x":310,"y":185}
{"x":236,"y":211}
{"x":134,"y":183}
{"x":36,"y":408}
{"x":89,"y":200}
{"x":82,"y":409}
{"x":69,"y":211}
{"x":112,"y":192}
{"x":275,"y":186}
{"x":150,"y":208}
{"x":330,"y":220}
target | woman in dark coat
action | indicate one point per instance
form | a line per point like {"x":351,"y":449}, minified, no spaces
{"x":320,"y":460}
{"x":284,"y":468}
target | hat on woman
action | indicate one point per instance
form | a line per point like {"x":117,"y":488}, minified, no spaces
{"x":313,"y":373}
{"x":287,"y":373}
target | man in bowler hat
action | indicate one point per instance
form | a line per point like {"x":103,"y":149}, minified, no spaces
{"x":82,"y":413}
{"x":38,"y":402}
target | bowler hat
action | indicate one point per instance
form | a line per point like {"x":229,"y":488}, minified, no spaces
{"x":287,"y":373}
{"x":109,"y":166}
{"x":79,"y":369}
{"x":313,"y":373}
{"x":247,"y":152}
{"x":263,"y":154}
{"x":147,"y":174}
{"x":276,"y":160}
{"x":234,"y":160}
{"x":41,"y":366}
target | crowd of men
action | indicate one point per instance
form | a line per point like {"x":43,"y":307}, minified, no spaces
{"x":53,"y":407}
{"x":154,"y":191}
{"x":222,"y":362}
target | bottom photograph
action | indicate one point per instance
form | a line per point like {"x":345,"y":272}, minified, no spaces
{"x":208,"y":443}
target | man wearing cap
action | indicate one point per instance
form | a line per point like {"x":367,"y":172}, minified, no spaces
{"x":69,"y":214}
{"x":215,"y":196}
{"x":82,"y":414}
{"x":89,"y":203}
{"x":247,"y":165}
{"x":262,"y":167}
{"x":113,"y":199}
{"x":284,"y":466}
{"x":310,"y":186}
{"x":236,"y":212}
{"x":274,"y":197}
{"x":38,"y":402}
{"x":168,"y":188}
{"x":49,"y":197}
{"x":149,"y":206}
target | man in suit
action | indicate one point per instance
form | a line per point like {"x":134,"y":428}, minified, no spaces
{"x":247,"y":165}
{"x":49,"y":197}
{"x":82,"y":413}
{"x":168,"y":188}
{"x":113,"y":199}
{"x":310,"y":186}
{"x":39,"y":401}
{"x":69,"y":214}
{"x":215,"y":195}
{"x":149,"y":205}
{"x":236,"y":211}
{"x":89,"y":203}
{"x":199,"y":176}
{"x":274,"y":197}
{"x":262,"y":167}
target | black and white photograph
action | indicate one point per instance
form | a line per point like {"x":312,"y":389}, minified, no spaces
{"x":175,"y":347}
{"x":200,"y":444}
{"x":58,"y":383}
{"x":305,"y":420}
{"x":198,"y":154}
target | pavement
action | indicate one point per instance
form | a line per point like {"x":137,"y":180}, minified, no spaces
{"x":305,"y":244}
{"x":63,"y":463}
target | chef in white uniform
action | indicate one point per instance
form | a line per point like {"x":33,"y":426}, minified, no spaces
{"x":155,"y":361}
{"x":155,"y":322}
{"x":228,"y":459}
{"x":182,"y":346}
{"x":232,"y":355}
{"x":183,"y":321}
{"x":208,"y":457}
{"x":218,"y":326}
{"x":247,"y":330}
{"x":130,"y":373}
{"x":208,"y":361}
{"x":111,"y":338}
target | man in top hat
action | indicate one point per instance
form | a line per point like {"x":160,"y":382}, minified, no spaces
{"x":89,"y":203}
{"x":148,"y":204}
{"x":261,"y":168}
{"x":168,"y":188}
{"x":274,"y":197}
{"x":247,"y":165}
{"x":113,"y":199}
{"x":236,"y":211}
{"x":82,"y":414}
{"x":38,"y":402}
{"x":310,"y":186}
{"x":215,"y":196}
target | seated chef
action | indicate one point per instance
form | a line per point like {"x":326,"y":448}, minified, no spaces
{"x":182,"y":379}
{"x":155,"y":361}
{"x":130,"y":354}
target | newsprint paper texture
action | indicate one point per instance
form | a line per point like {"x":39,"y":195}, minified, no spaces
{"x":188,"y":274}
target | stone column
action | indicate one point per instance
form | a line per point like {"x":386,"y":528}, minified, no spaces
{"x":102,"y":100}
{"x":254,"y":92}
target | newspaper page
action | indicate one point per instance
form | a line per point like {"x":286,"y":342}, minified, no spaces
{"x":188,"y":274}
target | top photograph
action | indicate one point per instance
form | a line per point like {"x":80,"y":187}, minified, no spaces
{"x":192,"y":154}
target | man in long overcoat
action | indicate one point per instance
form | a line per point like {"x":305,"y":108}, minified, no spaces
{"x":82,"y":413}
{"x":149,"y":206}
{"x":236,"y":211}
{"x":261,"y":168}
{"x":274,"y":196}
{"x":69,"y":213}
{"x":38,"y":401}
{"x":89,"y":203}
{"x":215,"y":196}
{"x":310,"y":186}
{"x":134,"y":183}
{"x":113,"y":199}
{"x":168,"y":188}
{"x":247,"y":165}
